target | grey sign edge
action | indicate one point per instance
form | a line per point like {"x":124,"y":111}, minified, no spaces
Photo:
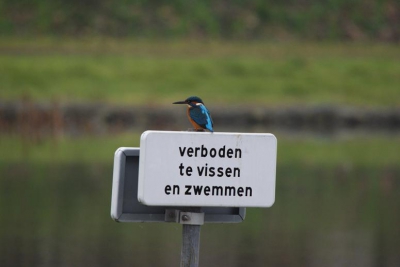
{"x":117,"y":197}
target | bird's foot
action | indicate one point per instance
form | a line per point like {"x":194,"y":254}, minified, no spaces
{"x":195,"y":130}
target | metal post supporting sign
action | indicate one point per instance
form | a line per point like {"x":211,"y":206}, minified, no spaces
{"x":192,"y":178}
{"x":190,"y":252}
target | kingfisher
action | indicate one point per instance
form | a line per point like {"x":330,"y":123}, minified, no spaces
{"x":197,"y":113}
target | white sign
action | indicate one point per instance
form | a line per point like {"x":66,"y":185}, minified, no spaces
{"x":207,"y":169}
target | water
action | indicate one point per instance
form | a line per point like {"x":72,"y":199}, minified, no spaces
{"x":58,"y":215}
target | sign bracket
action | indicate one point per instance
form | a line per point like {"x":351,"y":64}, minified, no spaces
{"x":184,"y":217}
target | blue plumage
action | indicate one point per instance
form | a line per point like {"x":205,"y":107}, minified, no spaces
{"x":201,"y":116}
{"x":197,"y":113}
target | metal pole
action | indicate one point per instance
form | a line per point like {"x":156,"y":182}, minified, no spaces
{"x":190,"y":252}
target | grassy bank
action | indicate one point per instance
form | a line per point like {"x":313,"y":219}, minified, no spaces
{"x":142,"y":72}
{"x":372,"y":152}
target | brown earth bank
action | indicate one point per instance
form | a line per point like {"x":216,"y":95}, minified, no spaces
{"x":50,"y":119}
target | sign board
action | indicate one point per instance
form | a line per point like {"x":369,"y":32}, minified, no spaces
{"x":207,"y":169}
{"x":124,"y":202}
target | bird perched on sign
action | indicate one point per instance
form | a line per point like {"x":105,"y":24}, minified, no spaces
{"x":197,"y":113}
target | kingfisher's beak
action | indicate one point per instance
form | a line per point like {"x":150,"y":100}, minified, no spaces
{"x":180,"y":102}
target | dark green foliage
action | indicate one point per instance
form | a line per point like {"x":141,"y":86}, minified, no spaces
{"x":252,"y":19}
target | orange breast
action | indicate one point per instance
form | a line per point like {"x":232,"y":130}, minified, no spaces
{"x":195,"y":125}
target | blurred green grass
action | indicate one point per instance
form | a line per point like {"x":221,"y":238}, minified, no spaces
{"x":141,"y":72}
{"x":311,"y":152}
{"x":153,"y":73}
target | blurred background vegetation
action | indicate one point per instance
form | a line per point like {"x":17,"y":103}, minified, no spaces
{"x":78,"y":79}
{"x":232,"y":19}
